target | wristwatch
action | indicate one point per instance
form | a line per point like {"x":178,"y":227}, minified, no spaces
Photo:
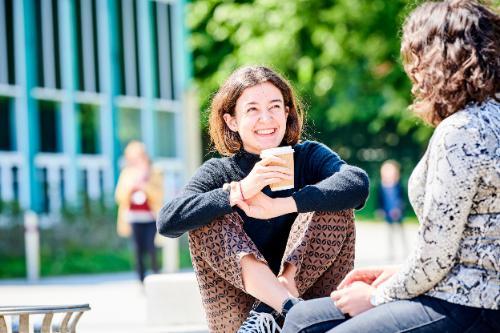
{"x":226,"y":187}
{"x":376,"y":299}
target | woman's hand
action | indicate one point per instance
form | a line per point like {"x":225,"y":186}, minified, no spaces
{"x":260,"y":206}
{"x":354,"y":299}
{"x":373,"y":276}
{"x":263,"y":174}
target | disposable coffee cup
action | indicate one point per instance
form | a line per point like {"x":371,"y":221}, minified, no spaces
{"x":285,"y":153}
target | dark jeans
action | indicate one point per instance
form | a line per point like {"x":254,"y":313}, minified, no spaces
{"x":144,"y":236}
{"x":420,"y":314}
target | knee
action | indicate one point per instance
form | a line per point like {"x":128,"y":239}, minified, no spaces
{"x":297,"y":318}
{"x":316,"y":315}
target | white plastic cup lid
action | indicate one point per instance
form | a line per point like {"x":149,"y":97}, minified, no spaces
{"x":276,"y":151}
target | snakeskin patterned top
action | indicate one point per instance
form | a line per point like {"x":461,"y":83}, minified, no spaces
{"x":455,"y":191}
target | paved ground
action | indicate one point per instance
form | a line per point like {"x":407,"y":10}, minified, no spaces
{"x":119,"y":304}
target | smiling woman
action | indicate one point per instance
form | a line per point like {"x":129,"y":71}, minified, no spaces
{"x":257,"y":249}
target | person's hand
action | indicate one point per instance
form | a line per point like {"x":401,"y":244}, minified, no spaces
{"x":354,"y":299}
{"x":287,"y":279}
{"x":264,"y":174}
{"x":260,"y":206}
{"x":373,"y":276}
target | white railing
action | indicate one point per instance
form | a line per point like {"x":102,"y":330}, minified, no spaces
{"x":54,"y":164}
{"x":94,"y":166}
{"x":173,"y":176}
{"x":9,"y":161}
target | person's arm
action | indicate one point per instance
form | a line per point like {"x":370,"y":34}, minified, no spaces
{"x":336,"y":186}
{"x":450,"y":185}
{"x":154,"y":190}
{"x":124,"y":187}
{"x":201,"y":201}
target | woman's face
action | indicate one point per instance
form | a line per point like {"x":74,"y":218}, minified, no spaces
{"x":260,"y":117}
{"x":137,"y":159}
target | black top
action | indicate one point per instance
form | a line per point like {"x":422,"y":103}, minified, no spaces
{"x":323,"y":182}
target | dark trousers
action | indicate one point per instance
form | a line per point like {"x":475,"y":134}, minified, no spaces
{"x":421,"y":314}
{"x":143,"y":235}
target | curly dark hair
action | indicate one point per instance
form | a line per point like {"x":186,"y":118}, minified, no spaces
{"x":451,"y":52}
{"x":227,"y":142}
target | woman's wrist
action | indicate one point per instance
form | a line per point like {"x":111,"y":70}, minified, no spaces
{"x":286,"y":205}
{"x":235,"y":193}
{"x":246,"y":190}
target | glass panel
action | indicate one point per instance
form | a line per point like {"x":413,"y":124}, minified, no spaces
{"x":165,"y":134}
{"x":49,"y":118}
{"x":129,"y":126}
{"x":129,"y":30}
{"x":6,"y":122}
{"x":9,"y":14}
{"x":163,"y":55}
{"x":89,"y":129}
{"x":4,"y":67}
{"x":86,"y":45}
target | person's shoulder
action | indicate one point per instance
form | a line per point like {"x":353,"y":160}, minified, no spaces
{"x":466,"y":129}
{"x":211,"y":171}
{"x":310,"y":146}
{"x":474,"y":115}
{"x":215,"y":164}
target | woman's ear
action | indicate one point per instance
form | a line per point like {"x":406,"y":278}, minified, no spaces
{"x":287,"y":111}
{"x":231,"y":122}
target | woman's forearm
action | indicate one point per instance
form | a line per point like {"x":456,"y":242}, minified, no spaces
{"x":192,"y":211}
{"x":347,"y":188}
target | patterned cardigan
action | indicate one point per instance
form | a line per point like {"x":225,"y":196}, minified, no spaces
{"x":455,"y":191}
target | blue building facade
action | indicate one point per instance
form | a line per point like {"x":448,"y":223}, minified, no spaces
{"x":79,"y":79}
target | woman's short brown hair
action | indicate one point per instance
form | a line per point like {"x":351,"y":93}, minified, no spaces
{"x":450,"y":51}
{"x":228,"y":142}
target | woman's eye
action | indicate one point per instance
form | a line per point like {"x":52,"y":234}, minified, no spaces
{"x":276,"y":107}
{"x":252,"y":109}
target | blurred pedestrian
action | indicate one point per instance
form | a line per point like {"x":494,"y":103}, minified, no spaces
{"x":139,"y":195}
{"x":391,"y":204}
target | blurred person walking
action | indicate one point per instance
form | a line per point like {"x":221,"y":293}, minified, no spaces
{"x":139,"y":195}
{"x":451,"y":281}
{"x":391,"y":204}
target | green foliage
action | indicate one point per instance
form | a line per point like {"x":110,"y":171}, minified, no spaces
{"x":82,"y":241}
{"x":342,"y":57}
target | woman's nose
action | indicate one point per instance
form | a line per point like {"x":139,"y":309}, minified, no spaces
{"x":265,"y":116}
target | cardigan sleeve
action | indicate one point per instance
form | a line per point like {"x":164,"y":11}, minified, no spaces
{"x":201,"y":201}
{"x":450,"y":185}
{"x":336,"y":185}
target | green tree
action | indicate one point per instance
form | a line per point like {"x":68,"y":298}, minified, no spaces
{"x":342,"y":57}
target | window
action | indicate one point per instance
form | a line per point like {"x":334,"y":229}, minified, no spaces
{"x":48,"y":45}
{"x":162,"y":54}
{"x":49,"y":120}
{"x":7,"y":66}
{"x":6,"y":124}
{"x":127,"y":29}
{"x":165,"y":134}
{"x":129,"y":126}
{"x":89,"y":129}
{"x":86,"y":45}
